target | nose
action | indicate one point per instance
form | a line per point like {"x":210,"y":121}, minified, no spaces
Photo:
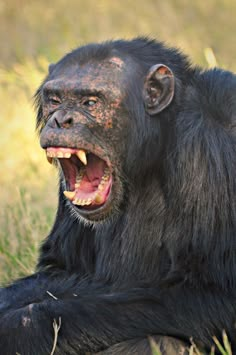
{"x":62,"y":119}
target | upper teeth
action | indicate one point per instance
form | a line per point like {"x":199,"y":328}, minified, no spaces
{"x":61,"y":153}
{"x":82,"y":156}
{"x":58,"y":154}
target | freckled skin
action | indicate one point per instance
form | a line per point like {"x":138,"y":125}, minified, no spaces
{"x":104,"y":117}
{"x":101,"y":128}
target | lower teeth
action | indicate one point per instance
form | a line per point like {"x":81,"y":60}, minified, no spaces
{"x":82,"y":202}
{"x":97,"y":198}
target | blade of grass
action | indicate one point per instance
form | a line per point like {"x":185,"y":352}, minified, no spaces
{"x":154,"y":347}
{"x":226,"y":343}
{"x":219,"y":346}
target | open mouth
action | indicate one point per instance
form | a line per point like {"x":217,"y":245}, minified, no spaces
{"x":88,"y":177}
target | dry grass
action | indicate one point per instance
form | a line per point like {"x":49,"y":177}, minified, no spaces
{"x":28,"y":189}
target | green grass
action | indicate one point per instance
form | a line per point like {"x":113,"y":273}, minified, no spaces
{"x":41,"y":32}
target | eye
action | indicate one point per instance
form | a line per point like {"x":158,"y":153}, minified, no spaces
{"x":90,"y":102}
{"x":54,"y":100}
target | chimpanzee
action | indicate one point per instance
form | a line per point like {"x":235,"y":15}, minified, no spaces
{"x":144,"y":241}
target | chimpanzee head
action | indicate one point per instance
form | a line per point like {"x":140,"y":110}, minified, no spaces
{"x":96,"y":113}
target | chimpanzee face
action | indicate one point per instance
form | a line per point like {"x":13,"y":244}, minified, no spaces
{"x":87,"y":128}
{"x":85,"y":124}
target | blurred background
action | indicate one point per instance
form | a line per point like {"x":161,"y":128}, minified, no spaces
{"x":35,"y":33}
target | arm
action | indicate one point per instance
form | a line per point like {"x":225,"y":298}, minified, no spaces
{"x":55,"y":264}
{"x":96,"y":320}
{"x":22,"y":291}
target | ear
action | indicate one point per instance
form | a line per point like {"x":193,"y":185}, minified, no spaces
{"x":159,"y":88}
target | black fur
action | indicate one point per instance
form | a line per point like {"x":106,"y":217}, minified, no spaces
{"x":165,"y":263}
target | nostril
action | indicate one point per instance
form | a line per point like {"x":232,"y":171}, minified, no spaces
{"x":67,"y":123}
{"x":62,"y":119}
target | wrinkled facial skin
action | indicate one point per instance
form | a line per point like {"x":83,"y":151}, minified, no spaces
{"x":82,"y":109}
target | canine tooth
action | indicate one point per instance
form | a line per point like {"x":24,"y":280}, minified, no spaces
{"x":82,"y":156}
{"x":69,"y":194}
{"x":98,"y":199}
{"x":49,"y":159}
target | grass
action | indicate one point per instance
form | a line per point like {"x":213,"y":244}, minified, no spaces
{"x":223,"y":347}
{"x":51,"y":28}
{"x":28,"y":188}
{"x":41,"y":32}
